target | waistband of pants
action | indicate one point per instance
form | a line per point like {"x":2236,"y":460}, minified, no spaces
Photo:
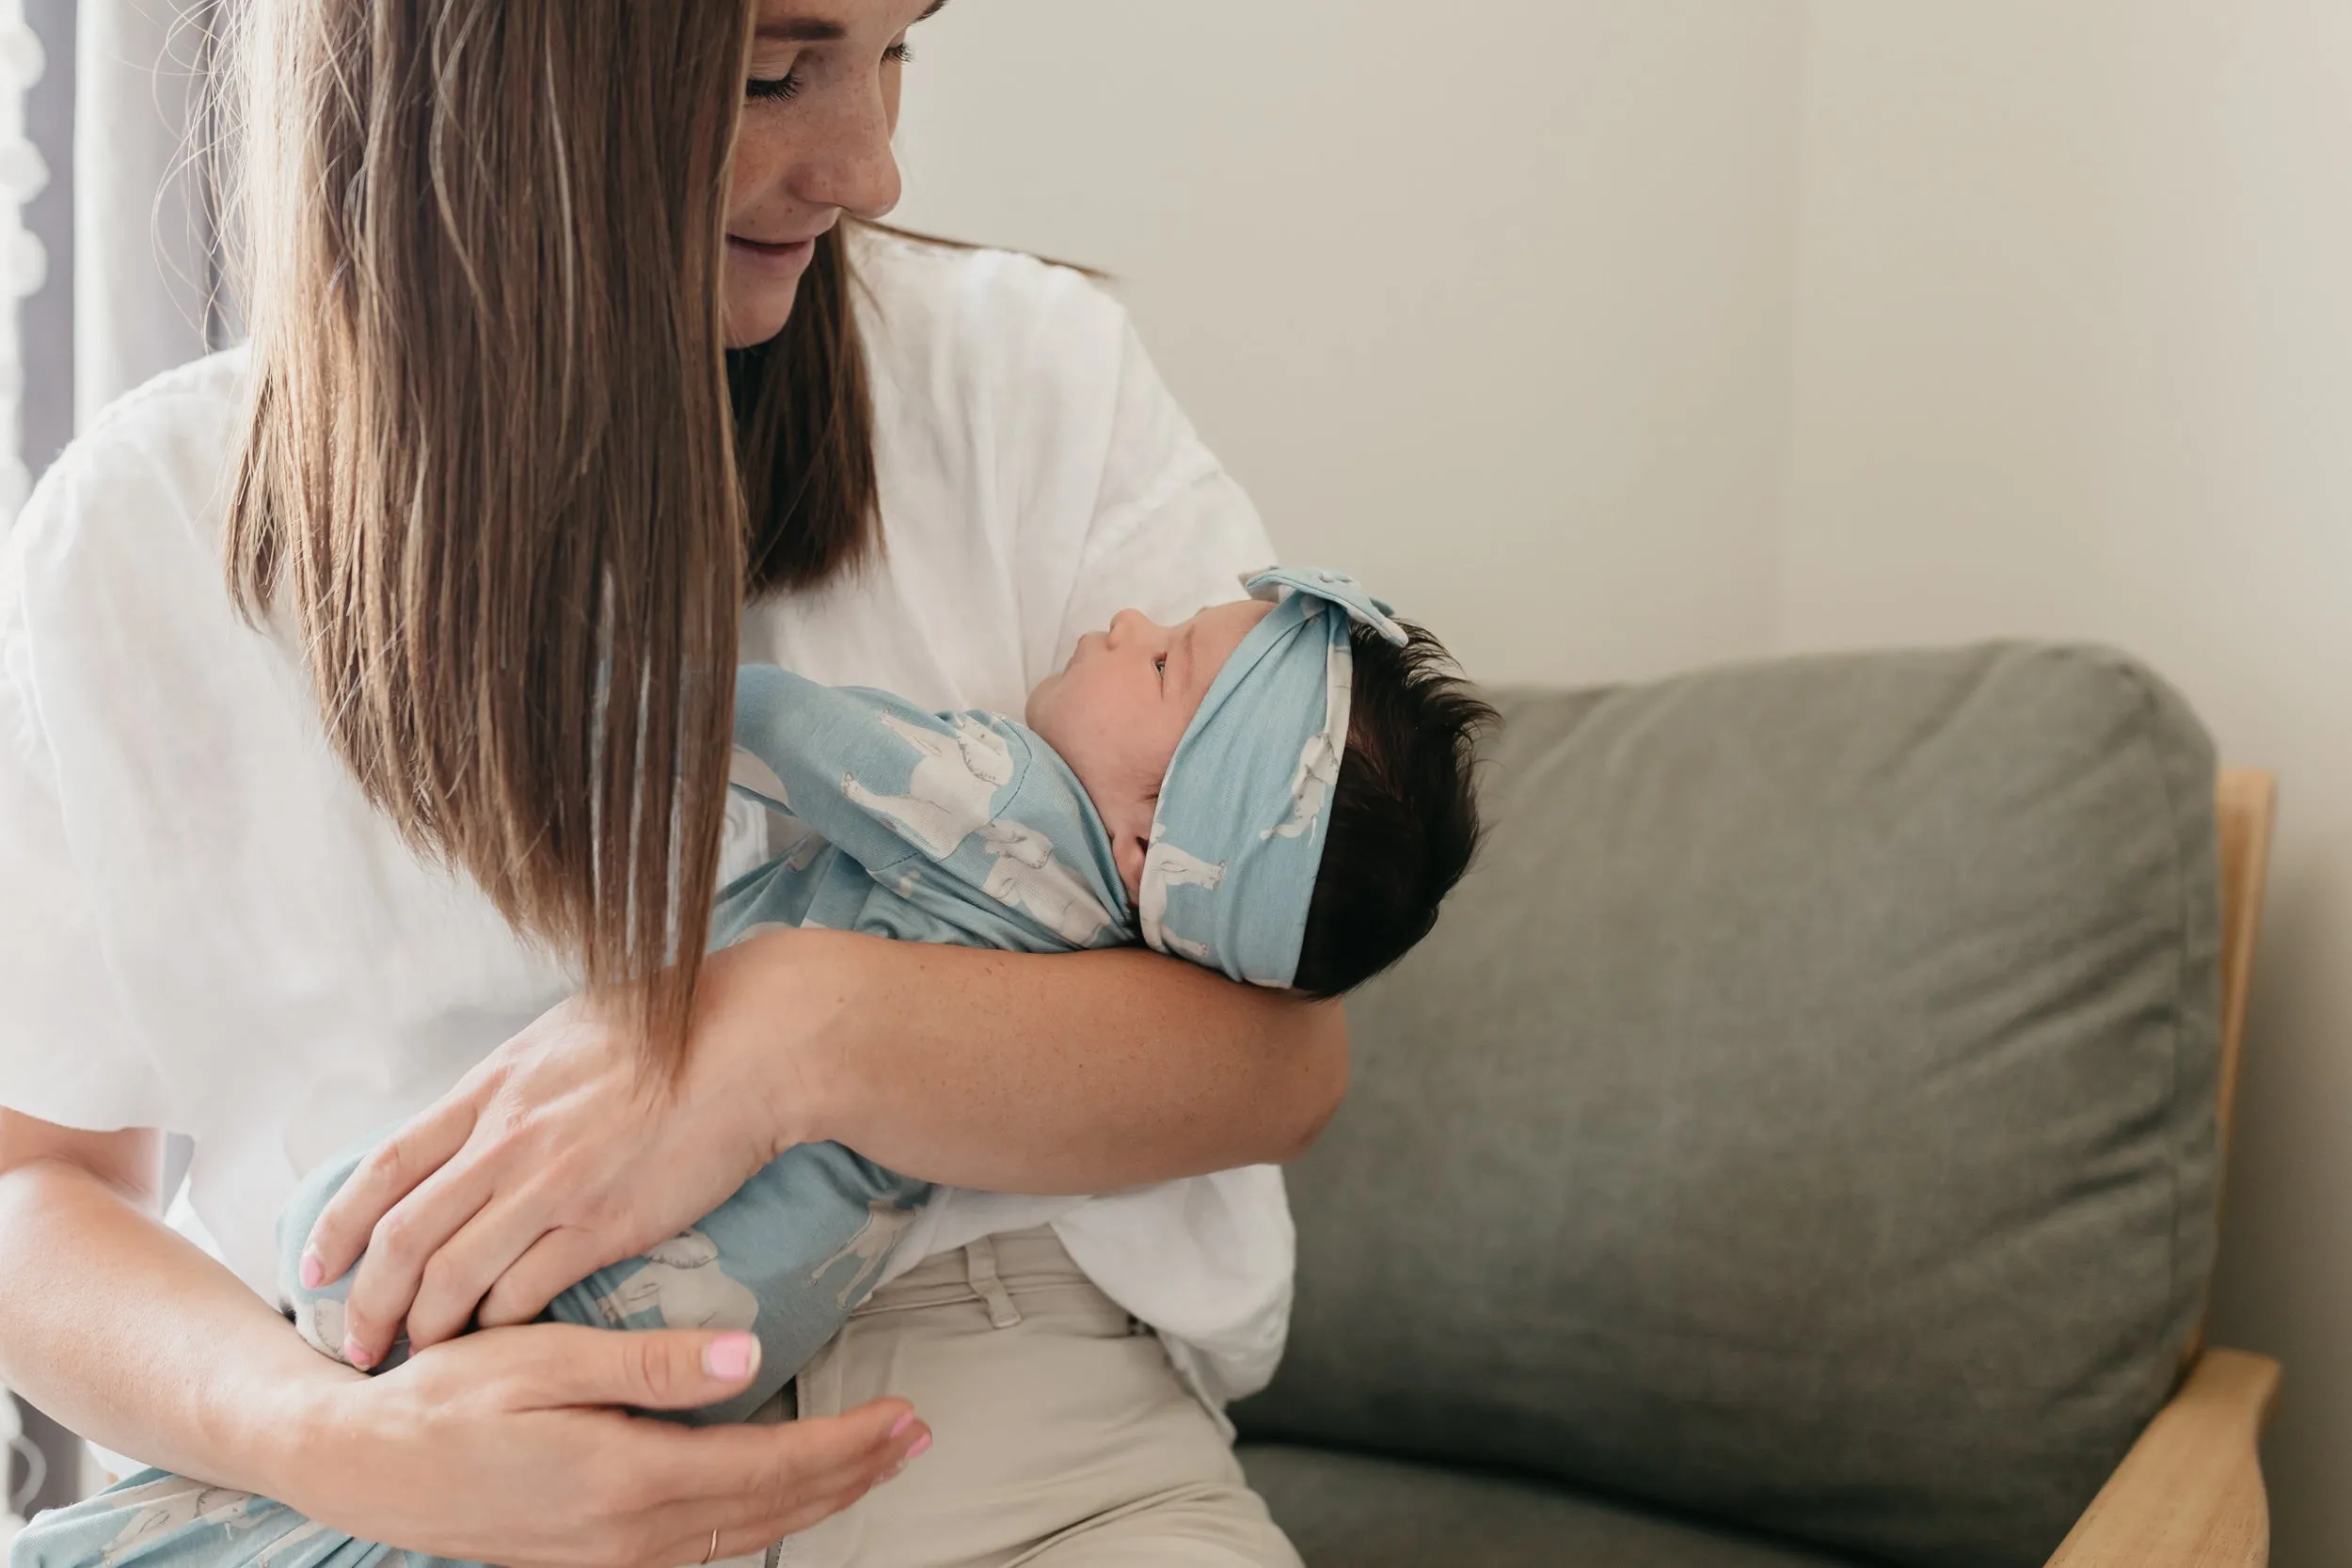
{"x":992,"y":1270}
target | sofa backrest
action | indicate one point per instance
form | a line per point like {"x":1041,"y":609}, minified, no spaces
{"x":1804,"y":1112}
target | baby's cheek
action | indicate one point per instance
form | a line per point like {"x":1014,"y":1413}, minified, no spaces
{"x":1036,"y":711}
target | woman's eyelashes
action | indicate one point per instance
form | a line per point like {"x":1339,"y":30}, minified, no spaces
{"x":784,"y":88}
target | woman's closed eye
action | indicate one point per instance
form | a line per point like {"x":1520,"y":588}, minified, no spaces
{"x":784,"y":88}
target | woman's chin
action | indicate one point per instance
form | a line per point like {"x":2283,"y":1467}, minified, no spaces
{"x":753,"y":322}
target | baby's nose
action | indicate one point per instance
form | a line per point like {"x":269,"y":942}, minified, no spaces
{"x":1127,"y":623}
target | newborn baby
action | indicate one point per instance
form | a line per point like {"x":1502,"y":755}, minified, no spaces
{"x":1279,"y":789}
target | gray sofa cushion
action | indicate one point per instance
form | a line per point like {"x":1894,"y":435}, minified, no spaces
{"x":1803,"y":1115}
{"x":1352,"y":1510}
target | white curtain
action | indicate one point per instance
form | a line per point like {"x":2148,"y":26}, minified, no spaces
{"x":21,"y":264}
{"x":13,"y":1447}
{"x":143,"y":271}
{"x":23,"y":267}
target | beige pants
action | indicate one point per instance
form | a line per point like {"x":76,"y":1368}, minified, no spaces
{"x":1061,"y":1436}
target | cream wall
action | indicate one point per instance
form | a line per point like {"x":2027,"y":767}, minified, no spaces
{"x":2073,"y":359}
{"x":1619,"y":335}
{"x":1492,"y":307}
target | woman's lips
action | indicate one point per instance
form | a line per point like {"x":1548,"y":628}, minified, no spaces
{"x":774,"y":261}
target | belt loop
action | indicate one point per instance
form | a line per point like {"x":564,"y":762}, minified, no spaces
{"x":980,"y":1267}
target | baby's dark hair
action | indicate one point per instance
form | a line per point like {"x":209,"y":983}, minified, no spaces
{"x":1403,"y":811}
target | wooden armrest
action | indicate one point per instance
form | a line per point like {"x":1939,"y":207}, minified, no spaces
{"x":2189,"y":1494}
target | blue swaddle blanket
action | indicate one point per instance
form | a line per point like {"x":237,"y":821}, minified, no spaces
{"x":958,"y":828}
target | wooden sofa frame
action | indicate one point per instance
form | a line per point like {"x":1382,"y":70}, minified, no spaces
{"x":2189,"y":1494}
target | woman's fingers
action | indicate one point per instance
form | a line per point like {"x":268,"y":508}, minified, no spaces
{"x":403,"y":1242}
{"x":559,"y":1259}
{"x":389,"y":1174}
{"x":472,"y":1276}
{"x":752,"y":1525}
{"x":815,"y":1455}
{"x":817,"y":1467}
{"x":757,"y":1484}
{"x":567,"y":1365}
{"x":685,"y":1530}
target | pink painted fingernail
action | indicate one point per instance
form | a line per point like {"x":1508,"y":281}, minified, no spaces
{"x":901,"y":1424}
{"x":922,"y":1446}
{"x":313,"y":1269}
{"x":357,"y":1354}
{"x":731,"y":1355}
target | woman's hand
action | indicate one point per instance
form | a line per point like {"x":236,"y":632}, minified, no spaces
{"x":511,"y":1446}
{"x":558,"y":1155}
{"x":503,"y":1448}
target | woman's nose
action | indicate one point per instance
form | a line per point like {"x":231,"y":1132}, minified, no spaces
{"x":849,"y":162}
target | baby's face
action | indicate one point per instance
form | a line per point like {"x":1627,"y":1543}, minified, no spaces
{"x":1118,"y":709}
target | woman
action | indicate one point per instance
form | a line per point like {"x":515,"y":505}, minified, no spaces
{"x":315,"y":786}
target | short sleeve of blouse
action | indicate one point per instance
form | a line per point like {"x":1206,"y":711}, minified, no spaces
{"x":69,"y":1054}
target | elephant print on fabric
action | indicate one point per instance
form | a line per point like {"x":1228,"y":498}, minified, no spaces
{"x":1319,"y":759}
{"x":166,"y":1507}
{"x":1027,"y":876}
{"x":952,"y":790}
{"x":288,"y":1545}
{"x":320,"y":1322}
{"x":1167,"y":865}
{"x":885,"y":1223}
{"x":683,"y":1284}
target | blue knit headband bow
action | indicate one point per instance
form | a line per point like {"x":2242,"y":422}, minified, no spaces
{"x":1238,"y":835}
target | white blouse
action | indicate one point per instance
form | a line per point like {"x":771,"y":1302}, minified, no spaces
{"x":205,"y":929}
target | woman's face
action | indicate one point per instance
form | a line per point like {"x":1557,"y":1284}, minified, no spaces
{"x":819,"y":112}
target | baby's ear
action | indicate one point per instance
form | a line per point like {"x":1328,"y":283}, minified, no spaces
{"x":1129,"y":849}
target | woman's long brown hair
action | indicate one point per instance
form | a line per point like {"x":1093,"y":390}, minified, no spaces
{"x":501,"y":478}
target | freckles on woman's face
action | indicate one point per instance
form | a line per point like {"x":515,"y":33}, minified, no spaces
{"x":820,"y":108}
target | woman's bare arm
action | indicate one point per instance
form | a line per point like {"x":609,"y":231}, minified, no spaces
{"x":1061,"y":1074}
{"x":505,"y":1448}
{"x":118,"y":1327}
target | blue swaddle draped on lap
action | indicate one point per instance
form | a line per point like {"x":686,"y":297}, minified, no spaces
{"x":951,"y":828}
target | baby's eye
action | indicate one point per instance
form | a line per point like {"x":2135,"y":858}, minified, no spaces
{"x":1160,"y":666}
